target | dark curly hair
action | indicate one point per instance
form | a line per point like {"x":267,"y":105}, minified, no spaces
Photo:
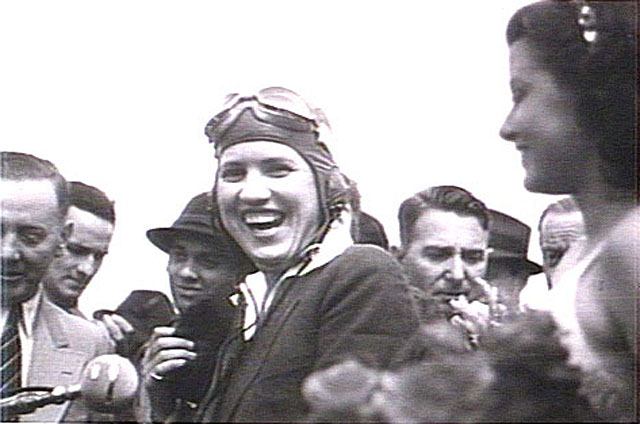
{"x":601,"y":73}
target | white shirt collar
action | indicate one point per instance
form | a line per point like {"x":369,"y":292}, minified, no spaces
{"x":29,"y":311}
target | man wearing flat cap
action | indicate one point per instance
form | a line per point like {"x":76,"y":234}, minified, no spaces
{"x":509,"y":268}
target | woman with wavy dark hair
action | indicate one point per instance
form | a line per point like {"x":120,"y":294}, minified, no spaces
{"x":573,"y":78}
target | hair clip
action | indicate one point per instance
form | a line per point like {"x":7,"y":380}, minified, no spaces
{"x":587,"y":22}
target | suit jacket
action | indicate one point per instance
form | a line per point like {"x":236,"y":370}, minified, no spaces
{"x":355,"y":306}
{"x":62,"y":345}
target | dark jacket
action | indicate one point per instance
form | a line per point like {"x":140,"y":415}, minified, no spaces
{"x":355,"y":306}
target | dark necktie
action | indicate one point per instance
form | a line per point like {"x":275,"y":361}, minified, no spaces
{"x":11,"y":355}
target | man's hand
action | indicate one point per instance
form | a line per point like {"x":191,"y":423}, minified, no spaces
{"x":164,"y":354}
{"x":474,"y":318}
{"x":476,"y":313}
{"x":117,"y":327}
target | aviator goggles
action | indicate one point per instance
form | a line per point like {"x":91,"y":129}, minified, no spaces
{"x":272,"y":110}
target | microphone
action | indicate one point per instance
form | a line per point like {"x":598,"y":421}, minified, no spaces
{"x":108,"y":383}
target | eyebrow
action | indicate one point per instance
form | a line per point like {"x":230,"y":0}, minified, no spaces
{"x":277,"y":161}
{"x":88,"y":248}
{"x":230,"y":164}
{"x":29,"y":227}
{"x":267,"y":160}
{"x":462,"y":249}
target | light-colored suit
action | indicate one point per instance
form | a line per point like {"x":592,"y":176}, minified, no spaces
{"x":62,"y":345}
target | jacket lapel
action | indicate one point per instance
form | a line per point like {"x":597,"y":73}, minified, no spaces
{"x":271,"y":330}
{"x":52,"y":360}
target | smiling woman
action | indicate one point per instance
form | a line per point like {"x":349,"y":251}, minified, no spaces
{"x":317,"y":298}
{"x":574,"y":80}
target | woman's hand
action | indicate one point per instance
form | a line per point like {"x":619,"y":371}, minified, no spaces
{"x":164,"y":354}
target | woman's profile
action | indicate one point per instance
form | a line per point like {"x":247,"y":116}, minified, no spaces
{"x":573,"y":78}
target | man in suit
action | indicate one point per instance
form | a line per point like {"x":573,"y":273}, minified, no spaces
{"x":42,"y":344}
{"x":93,"y":218}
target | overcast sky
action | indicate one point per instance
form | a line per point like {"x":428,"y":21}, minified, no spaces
{"x":117,"y":93}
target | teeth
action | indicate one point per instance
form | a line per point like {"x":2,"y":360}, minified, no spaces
{"x":260,"y":218}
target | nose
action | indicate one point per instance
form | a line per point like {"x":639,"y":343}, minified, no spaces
{"x":10,"y":251}
{"x":255,"y":189}
{"x":188,"y":271}
{"x":87,"y":266}
{"x":457,"y":268}
{"x":508,"y":129}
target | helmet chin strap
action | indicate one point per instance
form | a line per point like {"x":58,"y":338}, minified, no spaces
{"x":334,"y":214}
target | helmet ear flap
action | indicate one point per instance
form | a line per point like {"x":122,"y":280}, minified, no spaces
{"x":214,"y":211}
{"x":340,"y":193}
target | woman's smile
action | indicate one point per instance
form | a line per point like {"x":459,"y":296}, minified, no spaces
{"x":263,"y":222}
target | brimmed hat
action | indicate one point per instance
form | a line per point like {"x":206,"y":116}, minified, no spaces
{"x":195,"y":221}
{"x":509,"y":240}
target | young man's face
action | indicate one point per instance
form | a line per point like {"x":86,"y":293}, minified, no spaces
{"x":75,"y":265}
{"x":196,"y":268}
{"x":445,"y":253}
{"x":32,"y":229}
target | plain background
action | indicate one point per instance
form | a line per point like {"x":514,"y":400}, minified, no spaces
{"x":117,"y":93}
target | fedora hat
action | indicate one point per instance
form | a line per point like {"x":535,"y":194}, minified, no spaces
{"x":509,"y":240}
{"x":195,"y":221}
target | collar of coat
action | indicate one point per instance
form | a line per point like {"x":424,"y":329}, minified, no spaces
{"x":254,"y":288}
